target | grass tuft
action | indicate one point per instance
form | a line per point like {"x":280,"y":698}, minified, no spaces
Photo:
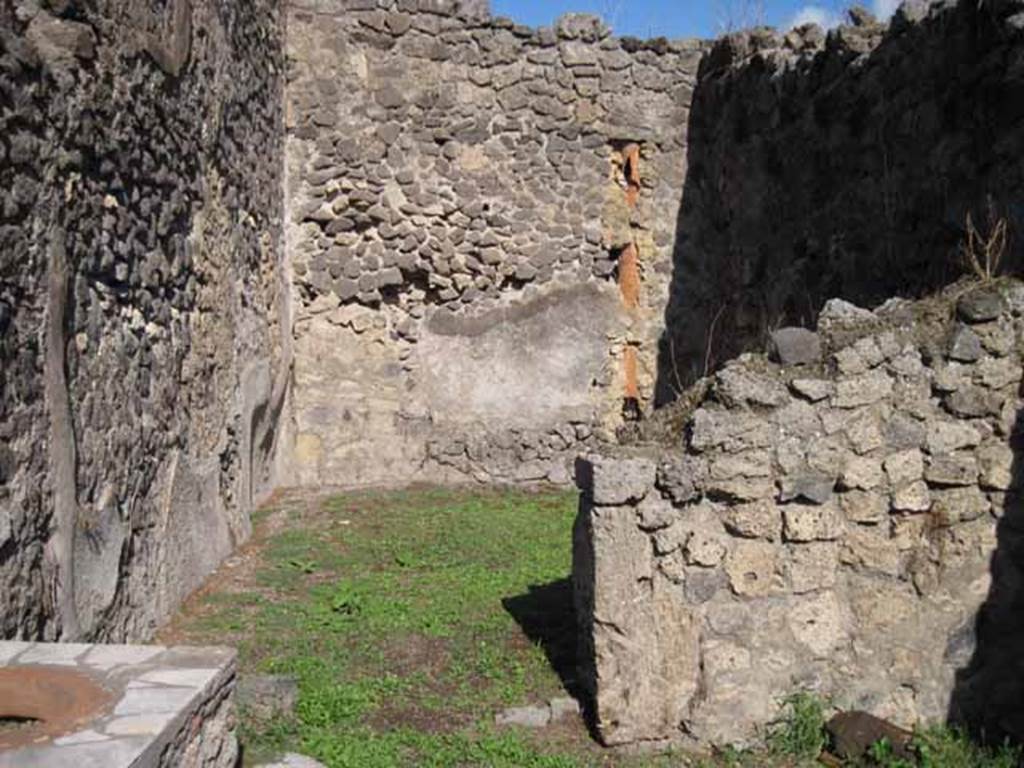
{"x":801,"y":734}
{"x":944,"y":747}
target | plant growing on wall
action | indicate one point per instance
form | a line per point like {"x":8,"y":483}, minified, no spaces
{"x":982,"y":250}
{"x":734,"y":15}
{"x":611,"y":11}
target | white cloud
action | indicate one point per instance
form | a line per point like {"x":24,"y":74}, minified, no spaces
{"x":814,"y":14}
{"x":828,"y":18}
{"x":885,"y":8}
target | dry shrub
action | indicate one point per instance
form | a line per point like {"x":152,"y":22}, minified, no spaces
{"x":982,"y":250}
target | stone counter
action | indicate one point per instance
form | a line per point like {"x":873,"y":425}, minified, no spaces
{"x":155,"y":707}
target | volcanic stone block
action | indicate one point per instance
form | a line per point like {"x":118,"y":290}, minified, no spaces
{"x":796,"y":346}
{"x":639,"y":658}
{"x":611,"y":481}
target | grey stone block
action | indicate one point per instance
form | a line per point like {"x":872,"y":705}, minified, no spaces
{"x":563,"y":707}
{"x":612,"y":480}
{"x":267,"y":697}
{"x":964,"y":345}
{"x":981,"y":305}
{"x":527,"y":717}
{"x":294,"y":760}
{"x":796,"y":346}
{"x":814,"y":487}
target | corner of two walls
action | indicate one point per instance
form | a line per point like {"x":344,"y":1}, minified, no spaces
{"x":845,"y":522}
{"x":839,"y":167}
{"x":479,"y":271}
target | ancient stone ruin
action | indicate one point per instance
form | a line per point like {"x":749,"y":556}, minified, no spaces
{"x":836,"y":519}
{"x":479,"y":262}
{"x":365,"y":242}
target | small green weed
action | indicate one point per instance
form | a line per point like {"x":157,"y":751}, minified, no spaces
{"x":801,"y":734}
{"x":881,"y":753}
{"x":944,"y":747}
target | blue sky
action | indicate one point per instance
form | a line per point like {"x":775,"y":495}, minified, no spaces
{"x":677,"y":18}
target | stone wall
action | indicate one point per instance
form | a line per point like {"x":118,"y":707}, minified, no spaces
{"x":840,"y":166}
{"x":844,"y":518}
{"x":143,"y":308}
{"x":479,"y":258}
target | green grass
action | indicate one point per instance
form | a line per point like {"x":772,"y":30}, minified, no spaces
{"x":800,"y":738}
{"x":801,"y":735}
{"x":406,"y":619}
{"x":388,"y":609}
{"x":941,"y":747}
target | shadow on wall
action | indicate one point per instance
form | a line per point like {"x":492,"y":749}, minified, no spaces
{"x":847,"y":173}
{"x":988,"y":697}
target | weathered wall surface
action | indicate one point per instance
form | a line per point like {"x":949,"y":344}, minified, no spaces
{"x":480,"y":263}
{"x":849,"y":525}
{"x":143,"y":329}
{"x":840,"y":167}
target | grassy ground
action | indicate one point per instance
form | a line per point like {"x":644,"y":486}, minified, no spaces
{"x":411,"y":618}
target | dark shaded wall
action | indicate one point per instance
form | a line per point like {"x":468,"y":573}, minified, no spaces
{"x":839,"y":167}
{"x":143,"y":344}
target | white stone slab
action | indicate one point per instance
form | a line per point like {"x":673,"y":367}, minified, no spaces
{"x":113,"y":753}
{"x":82,"y":737}
{"x":108,"y":657}
{"x":54,"y":653}
{"x":138,"y":725}
{"x":191,"y":678}
{"x":140,"y":701}
{"x":11,"y":648}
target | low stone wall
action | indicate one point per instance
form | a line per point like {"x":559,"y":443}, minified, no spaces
{"x":479,"y":269}
{"x":206,"y":735}
{"x":831,"y":520}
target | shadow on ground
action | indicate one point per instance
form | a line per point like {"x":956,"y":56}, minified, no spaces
{"x":545,"y":614}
